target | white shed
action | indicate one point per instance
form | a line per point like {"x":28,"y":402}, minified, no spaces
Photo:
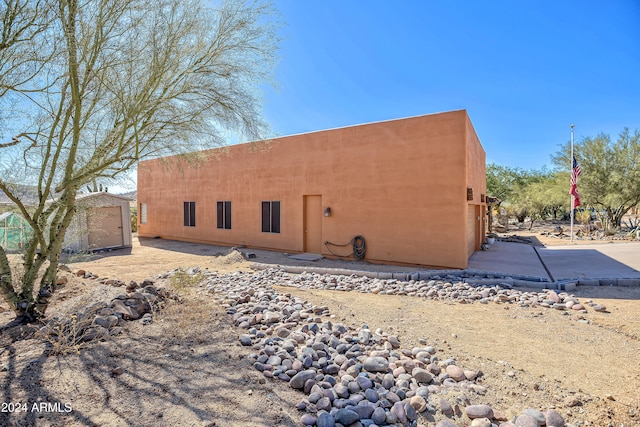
{"x":102,"y":221}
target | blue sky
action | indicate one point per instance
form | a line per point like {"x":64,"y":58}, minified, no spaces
{"x":523,"y":69}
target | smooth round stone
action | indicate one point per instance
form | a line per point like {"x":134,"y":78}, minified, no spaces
{"x":479,"y":411}
{"x":353,"y":387}
{"x":376,"y":364}
{"x":343,"y":403}
{"x":339,"y":359}
{"x":553,"y":418}
{"x":481,"y":422}
{"x":446,"y":423}
{"x":282,"y":332}
{"x":353,"y":370}
{"x":456,"y":373}
{"x":314,"y":397}
{"x":470,"y":375}
{"x":422,"y":391}
{"x":331,"y":369}
{"x":398,"y":410}
{"x":379,"y":416}
{"x":391,"y":418}
{"x":422,"y":375}
{"x":346,"y":416}
{"x":364,"y":336}
{"x":274,"y":360}
{"x":308,"y":420}
{"x":371,"y":395}
{"x":324,"y":404}
{"x":394,"y":341}
{"x":392,"y":397}
{"x":364,"y":409}
{"x":307,"y":362}
{"x":537,"y":415}
{"x":308,"y":384}
{"x":388,"y":381}
{"x":398,"y":371}
{"x":341,"y":390}
{"x":330,"y":394}
{"x":301,"y":377}
{"x":526,"y":421}
{"x":411,"y":412}
{"x":357,"y":398}
{"x":364,"y":382}
{"x":325,"y":419}
{"x":418,"y":402}
{"x":245,"y":340}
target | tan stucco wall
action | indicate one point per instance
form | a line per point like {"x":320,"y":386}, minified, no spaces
{"x":476,"y":179}
{"x":401,"y":184}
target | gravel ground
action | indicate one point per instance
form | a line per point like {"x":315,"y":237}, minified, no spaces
{"x":188,"y":367}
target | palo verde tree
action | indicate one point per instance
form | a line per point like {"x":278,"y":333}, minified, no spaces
{"x":610,"y":179}
{"x":89,"y":88}
{"x":544,"y":195}
{"x":504,"y":181}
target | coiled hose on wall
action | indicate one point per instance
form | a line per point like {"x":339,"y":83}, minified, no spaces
{"x":358,"y":244}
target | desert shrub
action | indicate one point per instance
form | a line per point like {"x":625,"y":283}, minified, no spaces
{"x":583,"y":217}
{"x":181,"y":280}
{"x":68,"y":334}
{"x":185,"y":319}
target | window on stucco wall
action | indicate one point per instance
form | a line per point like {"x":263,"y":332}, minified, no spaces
{"x":143,"y":213}
{"x":271,"y":217}
{"x":224,"y":215}
{"x":189,"y":214}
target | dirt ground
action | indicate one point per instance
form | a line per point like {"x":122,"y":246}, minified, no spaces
{"x":187,"y":368}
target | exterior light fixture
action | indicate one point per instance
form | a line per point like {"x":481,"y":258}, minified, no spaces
{"x":327,"y":212}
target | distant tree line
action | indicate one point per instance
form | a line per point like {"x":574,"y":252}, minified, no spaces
{"x":609,"y":185}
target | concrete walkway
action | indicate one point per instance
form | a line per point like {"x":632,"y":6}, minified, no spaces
{"x":602,"y":263}
{"x":592,"y":264}
{"x":509,"y":258}
{"x":604,"y":260}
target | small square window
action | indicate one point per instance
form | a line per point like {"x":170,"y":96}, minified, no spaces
{"x":469,"y":193}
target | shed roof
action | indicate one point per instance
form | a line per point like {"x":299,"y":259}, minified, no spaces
{"x":100,"y":194}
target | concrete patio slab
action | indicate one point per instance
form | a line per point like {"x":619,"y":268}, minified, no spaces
{"x":509,"y":258}
{"x":603,"y":260}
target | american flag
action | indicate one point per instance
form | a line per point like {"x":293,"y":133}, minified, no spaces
{"x":575,"y":173}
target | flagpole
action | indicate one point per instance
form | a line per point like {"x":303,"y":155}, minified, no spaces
{"x":571,"y":170}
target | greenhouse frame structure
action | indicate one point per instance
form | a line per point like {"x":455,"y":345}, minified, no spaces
{"x":15,"y":232}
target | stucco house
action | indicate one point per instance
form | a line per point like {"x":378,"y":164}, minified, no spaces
{"x":413,"y":189}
